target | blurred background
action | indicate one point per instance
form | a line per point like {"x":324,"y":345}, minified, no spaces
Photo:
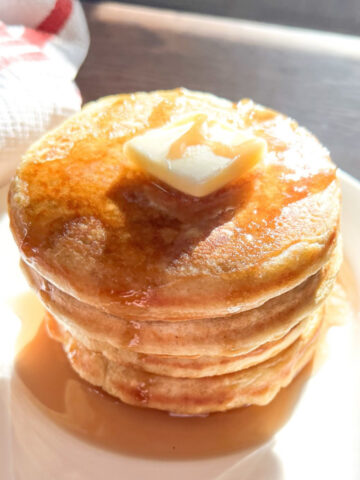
{"x":332,"y":15}
{"x":301,"y":57}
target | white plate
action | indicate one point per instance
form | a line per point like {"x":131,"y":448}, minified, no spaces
{"x":321,"y":440}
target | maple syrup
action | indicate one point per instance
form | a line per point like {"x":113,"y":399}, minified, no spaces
{"x":100,"y":419}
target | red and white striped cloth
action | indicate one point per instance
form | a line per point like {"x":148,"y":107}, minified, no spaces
{"x":42,"y":45}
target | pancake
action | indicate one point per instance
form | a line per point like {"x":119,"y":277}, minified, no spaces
{"x":169,"y":301}
{"x":106,"y":233}
{"x":177,"y":366}
{"x":255,"y":385}
{"x":226,"y":336}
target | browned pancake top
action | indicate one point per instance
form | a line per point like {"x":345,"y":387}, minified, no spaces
{"x":89,"y":220}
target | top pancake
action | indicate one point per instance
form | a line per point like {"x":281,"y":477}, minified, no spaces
{"x":102,"y":230}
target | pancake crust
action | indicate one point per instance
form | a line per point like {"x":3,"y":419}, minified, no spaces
{"x":103,"y":231}
{"x":226,"y":336}
{"x":255,"y":385}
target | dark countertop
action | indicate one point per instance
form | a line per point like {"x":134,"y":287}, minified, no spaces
{"x":341,"y":16}
{"x":313,"y":77}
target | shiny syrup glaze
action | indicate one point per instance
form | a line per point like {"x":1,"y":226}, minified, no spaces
{"x":144,"y":234}
{"x":108,"y":423}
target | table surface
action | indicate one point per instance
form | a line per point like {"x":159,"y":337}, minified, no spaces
{"x":341,"y":16}
{"x":311,"y":76}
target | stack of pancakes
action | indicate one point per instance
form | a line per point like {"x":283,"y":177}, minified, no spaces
{"x":169,"y":301}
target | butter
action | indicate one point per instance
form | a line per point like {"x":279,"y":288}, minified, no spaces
{"x":195,"y":155}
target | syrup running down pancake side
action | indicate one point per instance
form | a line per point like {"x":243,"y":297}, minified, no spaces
{"x":108,"y":423}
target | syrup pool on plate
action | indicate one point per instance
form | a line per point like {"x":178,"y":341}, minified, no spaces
{"x":43,"y":369}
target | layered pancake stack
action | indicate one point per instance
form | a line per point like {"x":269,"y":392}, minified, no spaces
{"x":167,"y":300}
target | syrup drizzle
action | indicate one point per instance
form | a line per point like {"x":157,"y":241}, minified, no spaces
{"x":97,"y":418}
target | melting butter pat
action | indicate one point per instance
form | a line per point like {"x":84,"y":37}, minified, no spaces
{"x":195,"y":155}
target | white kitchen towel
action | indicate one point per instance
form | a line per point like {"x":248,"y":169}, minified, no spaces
{"x":42,"y":45}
